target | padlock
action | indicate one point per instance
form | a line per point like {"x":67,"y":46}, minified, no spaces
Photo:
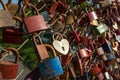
{"x":65,"y":59}
{"x":69,"y":18}
{"x":92,"y":16}
{"x":100,"y":76}
{"x":61,"y":44}
{"x":95,"y":70}
{"x":101,"y":28}
{"x":46,"y":15}
{"x":71,"y":71}
{"x":34,"y":23}
{"x":78,"y":64}
{"x":84,"y":39}
{"x":100,"y":51}
{"x":107,"y":76}
{"x":106,"y":47}
{"x":9,"y":69}
{"x":51,"y":67}
{"x":12,"y":7}
{"x":12,"y":35}
{"x":40,"y":48}
{"x":53,"y":7}
{"x":75,"y":34}
{"x":83,"y":52}
{"x":5,"y":17}
{"x":61,"y":7}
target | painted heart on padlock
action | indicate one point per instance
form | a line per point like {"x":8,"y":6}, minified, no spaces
{"x":61,"y":46}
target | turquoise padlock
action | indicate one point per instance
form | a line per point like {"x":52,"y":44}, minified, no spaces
{"x":52,"y":67}
{"x":101,"y":28}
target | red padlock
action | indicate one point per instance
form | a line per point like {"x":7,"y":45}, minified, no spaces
{"x":34,"y":23}
{"x":78,"y":65}
{"x":95,"y":70}
{"x":71,"y":71}
{"x":12,"y":35}
{"x":53,"y":7}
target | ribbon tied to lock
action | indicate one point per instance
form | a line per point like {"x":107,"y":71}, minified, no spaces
{"x":62,"y":46}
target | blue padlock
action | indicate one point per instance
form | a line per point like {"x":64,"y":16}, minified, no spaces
{"x":106,"y":47}
{"x":52,"y":67}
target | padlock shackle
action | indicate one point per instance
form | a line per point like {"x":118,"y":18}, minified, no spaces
{"x":15,"y":52}
{"x":49,"y":46}
{"x":58,"y":35}
{"x":4,"y":5}
{"x":34,"y":39}
{"x":17,"y":18}
{"x":29,"y":5}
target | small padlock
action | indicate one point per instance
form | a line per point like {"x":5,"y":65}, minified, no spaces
{"x":53,"y":7}
{"x":101,"y":28}
{"x":100,"y":76}
{"x":100,"y":51}
{"x":70,"y":18}
{"x":78,"y":64}
{"x":92,"y":14}
{"x":106,"y":47}
{"x":83,"y":53}
{"x":107,"y":76}
{"x":75,"y":34}
{"x":71,"y":71}
{"x":95,"y":70}
{"x":61,"y":7}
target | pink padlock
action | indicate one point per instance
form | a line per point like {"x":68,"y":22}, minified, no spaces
{"x":92,"y":16}
{"x":83,"y":53}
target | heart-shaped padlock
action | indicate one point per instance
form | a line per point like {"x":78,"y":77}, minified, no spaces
{"x":62,"y":46}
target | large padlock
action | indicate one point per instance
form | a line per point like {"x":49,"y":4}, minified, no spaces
{"x":40,"y":48}
{"x":9,"y":69}
{"x":5,"y":17}
{"x":52,"y":67}
{"x":34,"y":23}
{"x":61,"y":44}
{"x":13,"y":35}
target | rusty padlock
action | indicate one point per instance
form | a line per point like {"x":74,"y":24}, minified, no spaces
{"x":34,"y":23}
{"x":53,"y":7}
{"x":40,"y":48}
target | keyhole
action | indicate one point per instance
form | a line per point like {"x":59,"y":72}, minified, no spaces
{"x":63,"y":48}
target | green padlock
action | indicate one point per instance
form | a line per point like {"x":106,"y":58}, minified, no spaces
{"x":101,"y":28}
